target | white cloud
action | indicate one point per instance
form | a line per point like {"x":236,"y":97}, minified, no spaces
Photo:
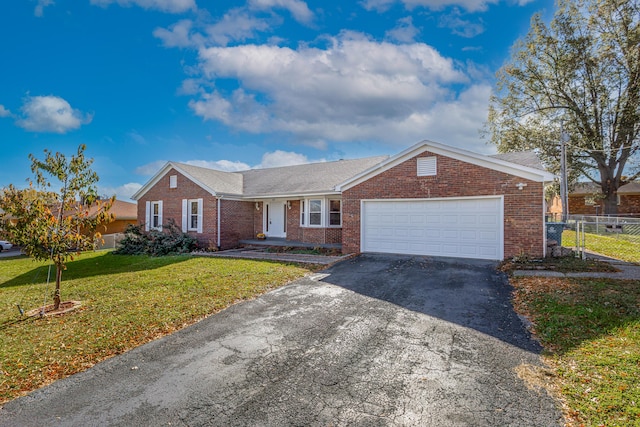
{"x":178,"y":34}
{"x":355,"y":89}
{"x":469,"y":5}
{"x":235,"y":25}
{"x":136,"y":137}
{"x":404,"y":32}
{"x":4,"y":112}
{"x":221,"y":165}
{"x":39,"y":9}
{"x":123,"y":192}
{"x":460,"y":26}
{"x":298,"y":9}
{"x":377,"y":5}
{"x":169,"y":6}
{"x":282,"y":158}
{"x":150,"y":168}
{"x":50,"y":114}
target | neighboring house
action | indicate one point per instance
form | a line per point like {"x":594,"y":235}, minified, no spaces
{"x":430,"y":199}
{"x":586,"y":199}
{"x":125,"y":213}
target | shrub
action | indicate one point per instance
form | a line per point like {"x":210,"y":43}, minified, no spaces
{"x":170,"y":240}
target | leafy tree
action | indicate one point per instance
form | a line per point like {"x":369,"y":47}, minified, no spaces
{"x":582,"y":71}
{"x":56,"y":225}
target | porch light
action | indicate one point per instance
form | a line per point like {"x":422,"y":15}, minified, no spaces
{"x":521,"y":185}
{"x":257,"y":206}
{"x":288,"y":204}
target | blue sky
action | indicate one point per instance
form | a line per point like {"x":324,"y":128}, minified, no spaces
{"x":240,"y":84}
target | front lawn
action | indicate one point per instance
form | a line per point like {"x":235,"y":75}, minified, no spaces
{"x":126,"y":301}
{"x":590,"y":329}
{"x":617,"y":247}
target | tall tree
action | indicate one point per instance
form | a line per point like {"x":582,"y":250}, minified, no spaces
{"x":582,"y":71}
{"x":51,"y":224}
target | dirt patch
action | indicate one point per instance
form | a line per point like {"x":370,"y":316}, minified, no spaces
{"x":65,"y":307}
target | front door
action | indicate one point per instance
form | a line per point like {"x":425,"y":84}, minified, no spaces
{"x":275,"y":219}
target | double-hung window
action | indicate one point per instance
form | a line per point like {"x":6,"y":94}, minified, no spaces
{"x":153,"y":215}
{"x":315,"y":212}
{"x":192,"y":215}
{"x":320,"y":213}
{"x":335,"y":213}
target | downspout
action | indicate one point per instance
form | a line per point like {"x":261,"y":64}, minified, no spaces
{"x":218,"y":217}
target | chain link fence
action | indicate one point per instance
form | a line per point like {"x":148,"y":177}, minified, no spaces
{"x":110,"y":241}
{"x":612,"y":236}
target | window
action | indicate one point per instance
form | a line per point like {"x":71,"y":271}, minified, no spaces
{"x":155,"y":215}
{"x":427,"y":166}
{"x":335,"y":213}
{"x":173,"y":181}
{"x":589,"y":201}
{"x":321,"y":213}
{"x":153,"y":220}
{"x":193,"y":215}
{"x":315,"y":212}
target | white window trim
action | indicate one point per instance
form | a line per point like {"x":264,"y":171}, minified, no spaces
{"x":308,"y":214}
{"x":186,"y":215}
{"x":329,"y":213}
{"x":173,"y":181}
{"x":149,"y":215}
{"x":325,"y":206}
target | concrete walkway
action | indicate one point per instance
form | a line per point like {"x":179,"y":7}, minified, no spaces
{"x":252,"y":253}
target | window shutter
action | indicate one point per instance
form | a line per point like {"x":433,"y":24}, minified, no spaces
{"x":147,"y":215}
{"x":200,"y":215}
{"x":426,"y":166}
{"x":185,"y":215}
{"x":160,"y":215}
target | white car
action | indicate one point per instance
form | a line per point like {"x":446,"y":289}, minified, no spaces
{"x":5,"y":246}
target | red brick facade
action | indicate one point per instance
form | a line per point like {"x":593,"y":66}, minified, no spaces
{"x":629,"y":205}
{"x":318,"y":235}
{"x":523,"y":209}
{"x":236,"y":216}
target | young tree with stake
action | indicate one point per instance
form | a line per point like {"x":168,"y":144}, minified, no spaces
{"x":56,"y":224}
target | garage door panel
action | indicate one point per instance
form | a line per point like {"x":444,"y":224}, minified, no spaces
{"x":470,"y":228}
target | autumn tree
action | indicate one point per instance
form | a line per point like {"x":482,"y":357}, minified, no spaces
{"x":51,"y":223}
{"x":581,"y":72}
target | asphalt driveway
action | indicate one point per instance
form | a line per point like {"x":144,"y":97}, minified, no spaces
{"x":378,"y":341}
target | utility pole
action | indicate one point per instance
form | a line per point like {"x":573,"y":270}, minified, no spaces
{"x":564,"y":197}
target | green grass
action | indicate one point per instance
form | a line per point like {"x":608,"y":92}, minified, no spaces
{"x":590,"y":330}
{"x":615,"y":247}
{"x":127,"y":301}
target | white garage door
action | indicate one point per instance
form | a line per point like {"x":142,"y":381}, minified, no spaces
{"x":466,"y":228}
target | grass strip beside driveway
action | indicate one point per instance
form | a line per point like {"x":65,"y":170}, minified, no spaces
{"x":615,"y":247}
{"x":590,"y":329}
{"x":126,"y":301}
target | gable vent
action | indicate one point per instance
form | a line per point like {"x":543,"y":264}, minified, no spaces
{"x":426,"y":166}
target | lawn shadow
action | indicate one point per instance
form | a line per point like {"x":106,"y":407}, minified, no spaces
{"x":104,"y":264}
{"x":469,"y":293}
